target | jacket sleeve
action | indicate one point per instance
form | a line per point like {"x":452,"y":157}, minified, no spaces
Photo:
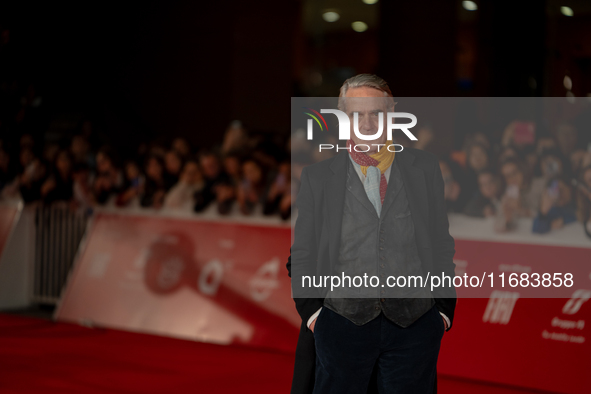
{"x":304,"y":251}
{"x":443,"y":250}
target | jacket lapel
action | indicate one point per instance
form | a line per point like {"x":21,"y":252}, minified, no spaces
{"x":335,"y":200}
{"x":394,"y":186}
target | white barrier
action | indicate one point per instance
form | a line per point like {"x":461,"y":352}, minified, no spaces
{"x":58,"y":232}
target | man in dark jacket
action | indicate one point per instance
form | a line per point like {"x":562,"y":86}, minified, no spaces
{"x":382,"y":214}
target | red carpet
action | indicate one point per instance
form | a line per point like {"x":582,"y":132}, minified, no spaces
{"x":39,"y":356}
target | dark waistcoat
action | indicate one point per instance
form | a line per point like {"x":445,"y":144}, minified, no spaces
{"x":380,"y":247}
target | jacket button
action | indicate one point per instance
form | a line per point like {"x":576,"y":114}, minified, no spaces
{"x":382,"y":266}
{"x":383,"y":300}
{"x":381,"y":248}
{"x":377,"y":308}
{"x":382,"y":258}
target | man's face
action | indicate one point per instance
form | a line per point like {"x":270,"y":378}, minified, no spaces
{"x":370,"y":104}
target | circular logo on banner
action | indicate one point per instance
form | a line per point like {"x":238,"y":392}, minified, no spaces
{"x":210,"y":277}
{"x":169,"y":265}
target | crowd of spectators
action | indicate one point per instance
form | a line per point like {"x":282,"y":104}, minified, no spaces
{"x":546,"y":177}
{"x":240,"y":175}
{"x":248,"y":173}
{"x":543,"y":176}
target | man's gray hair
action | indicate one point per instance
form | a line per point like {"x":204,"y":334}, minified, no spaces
{"x":365,"y":80}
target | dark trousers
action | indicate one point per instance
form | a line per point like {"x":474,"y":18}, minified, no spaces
{"x":405,"y":358}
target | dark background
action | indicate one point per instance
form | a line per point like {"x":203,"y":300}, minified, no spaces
{"x":154,"y":69}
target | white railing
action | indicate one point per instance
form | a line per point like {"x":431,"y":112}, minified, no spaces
{"x":58,"y":232}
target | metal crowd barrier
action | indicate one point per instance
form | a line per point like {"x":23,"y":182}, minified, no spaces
{"x":58,"y":232}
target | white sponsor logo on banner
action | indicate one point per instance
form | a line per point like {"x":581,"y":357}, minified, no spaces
{"x":265,"y":280}
{"x":500,"y":307}
{"x":579,"y":297}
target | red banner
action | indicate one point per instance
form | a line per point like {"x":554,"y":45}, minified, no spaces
{"x":225,"y":282}
{"x":210,"y":281}
{"x":542,"y":343}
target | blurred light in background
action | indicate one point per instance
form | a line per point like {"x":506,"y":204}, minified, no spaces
{"x":469,"y":5}
{"x":359,"y":26}
{"x":316,"y":78}
{"x":533,"y":84}
{"x":370,"y":1}
{"x":568,"y":83}
{"x":566,"y":11}
{"x":331,"y":16}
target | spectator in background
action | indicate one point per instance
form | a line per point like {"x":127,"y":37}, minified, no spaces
{"x":214,"y":176}
{"x":566,"y":137}
{"x":454,"y":198}
{"x":530,"y":161}
{"x":545,"y":143}
{"x":584,"y":199}
{"x":264,"y":159}
{"x":50,"y":151}
{"x":80,"y":149}
{"x":173,"y":165}
{"x":155,"y":149}
{"x":481,"y":139}
{"x":109,"y":179}
{"x":551,"y":165}
{"x":155,"y":185}
{"x":31,"y":175}
{"x":517,"y":201}
{"x":556,"y":207}
{"x":507,"y":153}
{"x":225,"y":195}
{"x":251,"y":191}
{"x":225,"y":190}
{"x":477,"y":159}
{"x":235,"y":138}
{"x":27,"y":141}
{"x":279,"y":196}
{"x":181,"y":196}
{"x":59,"y":186}
{"x":182,"y":147}
{"x":579,"y":159}
{"x":82,"y":190}
{"x":133,"y":187}
{"x":486,"y":203}
{"x":233,"y":168}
